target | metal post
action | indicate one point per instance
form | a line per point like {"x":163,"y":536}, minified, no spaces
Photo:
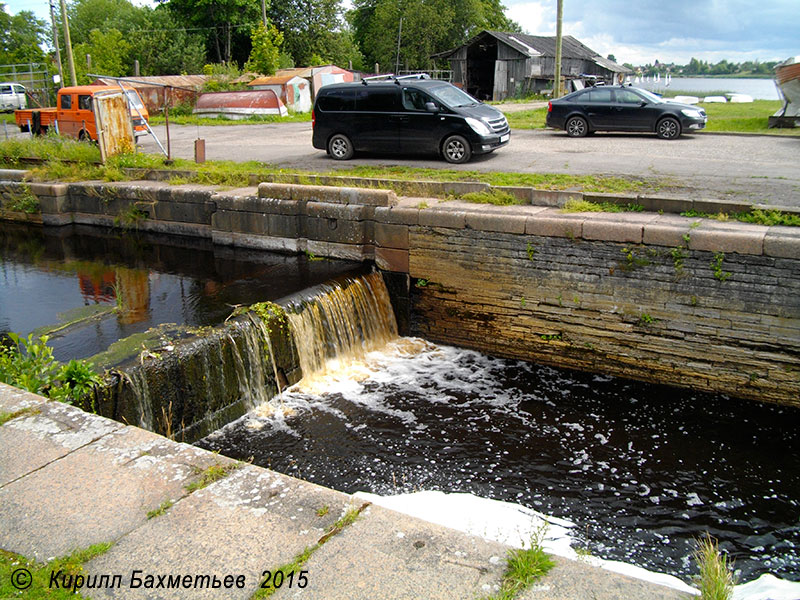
{"x":68,"y":43}
{"x":55,"y":42}
{"x":559,"y":19}
{"x":399,"y":35}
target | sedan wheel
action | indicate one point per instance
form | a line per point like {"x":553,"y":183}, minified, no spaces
{"x":340,"y":147}
{"x":577,"y":127}
{"x":456,"y":150}
{"x":668,"y":129}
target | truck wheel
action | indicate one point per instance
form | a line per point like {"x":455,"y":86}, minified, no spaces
{"x":456,"y":150}
{"x":340,"y":147}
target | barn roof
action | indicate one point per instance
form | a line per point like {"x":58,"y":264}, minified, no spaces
{"x":541,"y":45}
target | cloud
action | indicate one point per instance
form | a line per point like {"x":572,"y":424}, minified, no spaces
{"x":672,"y":30}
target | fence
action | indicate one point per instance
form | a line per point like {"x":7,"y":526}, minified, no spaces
{"x":36,"y":77}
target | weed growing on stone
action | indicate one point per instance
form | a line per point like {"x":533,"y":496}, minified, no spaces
{"x":678,"y":256}
{"x":575,"y":206}
{"x":293,"y":573}
{"x":716,"y":578}
{"x":523,"y":567}
{"x":68,"y":570}
{"x":646,"y":319}
{"x":157,"y":512}
{"x":321,"y":512}
{"x":5,"y":417}
{"x":210,"y":474}
{"x":716,"y":267}
{"x":531,"y":250}
{"x":496,"y":197}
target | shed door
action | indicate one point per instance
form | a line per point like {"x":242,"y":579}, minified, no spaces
{"x":500,"y":80}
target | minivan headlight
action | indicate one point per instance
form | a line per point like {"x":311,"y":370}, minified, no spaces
{"x":478,"y":127}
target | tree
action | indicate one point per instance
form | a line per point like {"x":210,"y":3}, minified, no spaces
{"x":21,"y":37}
{"x":226,"y":25}
{"x":612,"y":57}
{"x":429,"y":26}
{"x":86,"y":16}
{"x":265,"y":53}
{"x":314,"y":29}
{"x":164,"y":47}
{"x":110,"y":53}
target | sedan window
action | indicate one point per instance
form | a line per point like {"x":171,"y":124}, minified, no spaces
{"x":597,"y":95}
{"x":628,"y":97}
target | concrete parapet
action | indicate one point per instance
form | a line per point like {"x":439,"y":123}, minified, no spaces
{"x":667,"y":230}
{"x":328,"y":194}
{"x":452,"y":219}
{"x":12,"y":174}
{"x":555,"y":224}
{"x":617,"y":227}
{"x":714,"y":236}
{"x":493,"y":221}
{"x":398,"y":215}
{"x":782,"y":242}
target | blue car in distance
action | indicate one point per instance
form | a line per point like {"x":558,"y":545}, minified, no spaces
{"x":622,"y":108}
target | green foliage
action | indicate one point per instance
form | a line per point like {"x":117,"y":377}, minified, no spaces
{"x":163,"y":507}
{"x":21,"y":200}
{"x":265,"y":54}
{"x":494,"y":196}
{"x":573,"y":205}
{"x":429,"y":26}
{"x":40,"y":589}
{"x":29,"y":364}
{"x":523,"y":567}
{"x":716,"y":267}
{"x":210,"y":474}
{"x":110,"y":52}
{"x":21,"y":37}
{"x":715,"y":579}
{"x":164,"y":47}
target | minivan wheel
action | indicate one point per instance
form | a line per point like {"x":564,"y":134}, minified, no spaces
{"x":577,"y":127}
{"x":340,"y":147}
{"x":668,"y":129}
{"x":456,"y":150}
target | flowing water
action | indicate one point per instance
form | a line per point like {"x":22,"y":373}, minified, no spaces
{"x":641,"y":470}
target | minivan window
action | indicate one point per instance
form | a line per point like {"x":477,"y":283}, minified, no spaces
{"x":380,"y":100}
{"x":453,"y":97}
{"x":415,"y":99}
{"x":66,"y":101}
{"x":338,"y":100}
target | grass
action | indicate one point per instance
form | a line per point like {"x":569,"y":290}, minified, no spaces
{"x":182,"y":119}
{"x":163,"y":508}
{"x":715,"y":579}
{"x":5,"y":417}
{"x":527,"y":119}
{"x":496,"y":197}
{"x":210,"y":474}
{"x":574,"y":206}
{"x":756,"y":216}
{"x":744,"y":118}
{"x":70,"y":566}
{"x":523,"y":567}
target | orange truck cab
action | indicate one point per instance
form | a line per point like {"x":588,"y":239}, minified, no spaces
{"x":74,"y":116}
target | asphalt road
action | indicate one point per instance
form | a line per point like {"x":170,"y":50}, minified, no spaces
{"x":758,"y":169}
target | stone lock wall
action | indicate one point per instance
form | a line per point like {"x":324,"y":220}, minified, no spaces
{"x":698,"y":303}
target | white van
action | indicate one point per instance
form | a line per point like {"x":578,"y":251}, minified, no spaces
{"x":12,"y":96}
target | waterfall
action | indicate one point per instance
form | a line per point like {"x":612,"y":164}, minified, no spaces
{"x":341,"y":324}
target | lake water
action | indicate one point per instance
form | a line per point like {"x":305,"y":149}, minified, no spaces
{"x":759,"y":89}
{"x":112,"y":284}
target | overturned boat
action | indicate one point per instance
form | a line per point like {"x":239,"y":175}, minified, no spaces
{"x":787,"y":78}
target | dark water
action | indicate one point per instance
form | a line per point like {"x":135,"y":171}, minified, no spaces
{"x":53,"y":276}
{"x":641,"y":470}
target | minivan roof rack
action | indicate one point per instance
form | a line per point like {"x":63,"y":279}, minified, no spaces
{"x":396,"y":78}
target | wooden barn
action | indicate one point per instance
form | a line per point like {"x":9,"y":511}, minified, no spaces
{"x":495,"y":65}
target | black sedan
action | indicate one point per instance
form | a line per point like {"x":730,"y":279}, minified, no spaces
{"x":612,"y":108}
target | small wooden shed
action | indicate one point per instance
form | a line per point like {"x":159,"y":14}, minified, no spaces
{"x":294,"y":91}
{"x":495,"y":65}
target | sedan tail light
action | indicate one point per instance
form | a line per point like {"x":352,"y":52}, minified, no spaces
{"x":313,"y":119}
{"x":549,"y":107}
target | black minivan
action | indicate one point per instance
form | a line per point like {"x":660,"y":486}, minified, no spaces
{"x":412,"y":114}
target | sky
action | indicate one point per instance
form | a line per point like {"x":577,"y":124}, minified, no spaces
{"x":643,"y":31}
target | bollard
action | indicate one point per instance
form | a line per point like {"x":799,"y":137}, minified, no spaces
{"x":199,"y":151}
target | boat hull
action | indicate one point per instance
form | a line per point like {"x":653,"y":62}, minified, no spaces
{"x":787,"y":78}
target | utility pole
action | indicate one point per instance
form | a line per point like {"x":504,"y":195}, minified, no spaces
{"x":68,"y":43}
{"x":55,"y":42}
{"x":264,"y":12}
{"x":559,"y":19}
{"x":399,"y":36}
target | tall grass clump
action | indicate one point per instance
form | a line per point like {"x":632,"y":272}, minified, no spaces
{"x":716,"y":578}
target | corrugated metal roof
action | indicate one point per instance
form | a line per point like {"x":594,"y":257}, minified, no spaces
{"x":184,"y":81}
{"x":274,"y":80}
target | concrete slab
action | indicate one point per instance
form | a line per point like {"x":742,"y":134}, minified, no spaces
{"x":96,"y":493}
{"x":386,"y":555}
{"x":252,"y":520}
{"x":49,"y":431}
{"x":577,"y":580}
